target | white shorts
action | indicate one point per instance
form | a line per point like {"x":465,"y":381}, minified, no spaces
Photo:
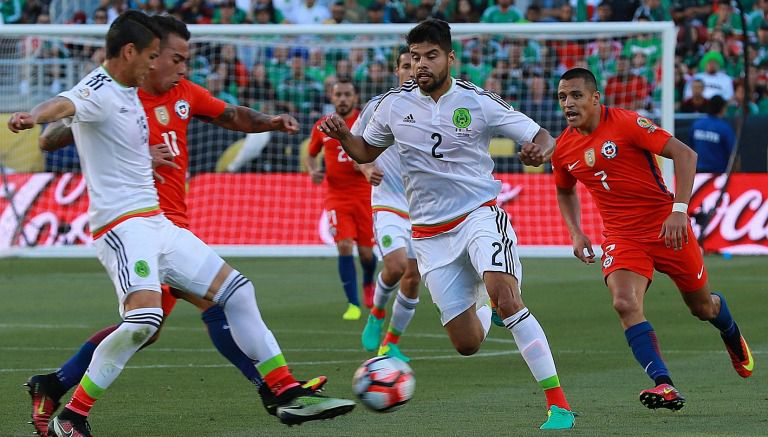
{"x":452,"y":264}
{"x":143,"y":252}
{"x":392,"y":232}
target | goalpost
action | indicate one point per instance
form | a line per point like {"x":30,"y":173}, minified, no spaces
{"x":249,"y":195}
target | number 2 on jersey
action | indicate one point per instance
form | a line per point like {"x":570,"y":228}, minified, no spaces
{"x":343,"y":157}
{"x":169,"y":138}
{"x":438,"y":140}
{"x":603,"y":178}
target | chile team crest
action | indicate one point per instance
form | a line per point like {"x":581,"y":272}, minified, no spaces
{"x":182,"y":109}
{"x":161,"y":113}
{"x":609,"y":150}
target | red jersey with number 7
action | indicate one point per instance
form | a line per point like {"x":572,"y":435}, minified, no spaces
{"x":169,"y":115}
{"x":616,"y":163}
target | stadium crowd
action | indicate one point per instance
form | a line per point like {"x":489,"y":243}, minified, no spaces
{"x":295,"y":78}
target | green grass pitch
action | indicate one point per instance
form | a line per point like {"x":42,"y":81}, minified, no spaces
{"x":182,"y":387}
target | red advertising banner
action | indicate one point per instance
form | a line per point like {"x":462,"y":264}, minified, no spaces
{"x":286,"y":209}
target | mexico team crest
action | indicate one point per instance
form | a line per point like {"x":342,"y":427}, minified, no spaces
{"x":161,"y":113}
{"x":589,"y":157}
{"x":609,"y":150}
{"x":182,"y":109}
{"x":462,"y":118}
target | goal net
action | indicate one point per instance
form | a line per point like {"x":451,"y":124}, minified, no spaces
{"x":250,"y":194}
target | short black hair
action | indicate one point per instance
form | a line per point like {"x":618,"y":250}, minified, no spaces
{"x":715,"y":104}
{"x":170,"y":25}
{"x":581,"y":73}
{"x":400,"y":53}
{"x":344,"y":80}
{"x":432,"y":31}
{"x":131,"y":27}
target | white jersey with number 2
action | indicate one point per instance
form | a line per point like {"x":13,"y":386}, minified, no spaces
{"x":112,"y":138}
{"x":443,"y":146}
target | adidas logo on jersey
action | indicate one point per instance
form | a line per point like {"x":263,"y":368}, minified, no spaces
{"x":409,"y":119}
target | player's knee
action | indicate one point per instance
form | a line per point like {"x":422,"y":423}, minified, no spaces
{"x":393,"y":272}
{"x":625,"y":305}
{"x":141,"y":324}
{"x":409,"y":285}
{"x":152,"y":339}
{"x":236,"y":290}
{"x":703,"y":311}
{"x":468,"y":348}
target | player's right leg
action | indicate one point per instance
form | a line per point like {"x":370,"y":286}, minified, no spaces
{"x":403,"y":310}
{"x":129,"y":253}
{"x":196,"y":268}
{"x":348,"y":277}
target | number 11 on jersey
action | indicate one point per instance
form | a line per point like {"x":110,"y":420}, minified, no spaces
{"x":169,"y":138}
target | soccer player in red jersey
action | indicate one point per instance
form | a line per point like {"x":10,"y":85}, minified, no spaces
{"x":611,"y":151}
{"x":170,"y":101}
{"x":348,"y":201}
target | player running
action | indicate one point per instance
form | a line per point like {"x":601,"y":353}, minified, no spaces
{"x":393,"y":235}
{"x":464,"y":243}
{"x":135,"y":242}
{"x":611,"y":151}
{"x":348,"y":201}
{"x":170,"y":102}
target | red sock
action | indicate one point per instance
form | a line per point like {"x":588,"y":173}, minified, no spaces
{"x":555,"y":396}
{"x":280,"y":380}
{"x":391,"y":338}
{"x":379,"y":313}
{"x":81,"y":403}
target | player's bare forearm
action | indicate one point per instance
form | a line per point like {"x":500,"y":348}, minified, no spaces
{"x":568,"y":202}
{"x":52,"y":110}
{"x":55,"y":136}
{"x":359,"y":150}
{"x":545,"y":142}
{"x":244,"y":119}
{"x":684,"y":159}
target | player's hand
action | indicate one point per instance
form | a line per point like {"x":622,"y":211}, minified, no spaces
{"x":675,"y":230}
{"x":334,"y":127}
{"x":161,"y":155}
{"x":285,"y":123}
{"x":20,"y":121}
{"x":532,"y":154}
{"x":317,"y":176}
{"x":373,"y":174}
{"x":582,"y":249}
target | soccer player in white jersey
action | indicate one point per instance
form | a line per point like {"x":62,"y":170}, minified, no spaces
{"x":464,"y":243}
{"x":137,"y":245}
{"x":393,"y":235}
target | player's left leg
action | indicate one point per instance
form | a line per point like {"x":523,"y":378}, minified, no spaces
{"x":368,"y":263}
{"x":687,"y":270}
{"x":403,"y":310}
{"x":364,"y":236}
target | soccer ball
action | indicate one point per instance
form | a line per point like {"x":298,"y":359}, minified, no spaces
{"x":384,"y":383}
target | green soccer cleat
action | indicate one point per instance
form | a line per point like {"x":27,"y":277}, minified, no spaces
{"x":313,"y":407}
{"x":352,"y":312}
{"x":558,"y":418}
{"x":372,"y":333}
{"x":391,"y":350}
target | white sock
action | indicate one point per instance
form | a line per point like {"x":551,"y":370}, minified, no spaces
{"x":403,"y":310}
{"x":245,"y":323}
{"x":532,"y":344}
{"x":253,"y":145}
{"x":383,"y":292}
{"x":117,"y":348}
{"x":484,"y":314}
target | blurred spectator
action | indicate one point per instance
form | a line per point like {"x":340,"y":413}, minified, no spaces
{"x":757,"y":16}
{"x":338,"y":14}
{"x":33,"y":8}
{"x":428,"y":9}
{"x":653,"y":10}
{"x":761,"y":55}
{"x":648,"y":44}
{"x":466,"y":12}
{"x":298,"y":93}
{"x":624,"y":10}
{"x":115,"y":8}
{"x":358,"y":57}
{"x":565,"y":14}
{"x":392,"y":11}
{"x":375,"y":14}
{"x":503,"y":11}
{"x":260,"y":93}
{"x":11,"y":11}
{"x":696,"y":10}
{"x":549,"y":8}
{"x":377,"y":81}
{"x":308,"y":12}
{"x":317,"y":69}
{"x":532,"y":15}
{"x":79,"y":17}
{"x":604,"y":12}
{"x":697,"y":102}
{"x":153,"y":7}
{"x":265,"y":13}
{"x":625,"y":89}
{"x":538,"y":104}
{"x":99,"y":16}
{"x":278,"y":68}
{"x":215,"y":85}
{"x":227,"y":12}
{"x":48,"y":50}
{"x":725,"y":19}
{"x":716,"y":82}
{"x":344,"y":68}
{"x":193,"y":11}
{"x":231,"y":69}
{"x":713,"y":139}
{"x":601,"y":59}
{"x":736,"y":105}
{"x":475,"y":69}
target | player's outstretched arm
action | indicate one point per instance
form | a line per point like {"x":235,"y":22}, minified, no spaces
{"x":355,"y":146}
{"x":568,"y":201}
{"x":244,"y":119}
{"x":55,"y":136}
{"x":675,"y":227}
{"x":538,"y":151}
{"x":50,"y":110}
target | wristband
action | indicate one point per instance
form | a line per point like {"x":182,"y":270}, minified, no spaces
{"x":680,"y":207}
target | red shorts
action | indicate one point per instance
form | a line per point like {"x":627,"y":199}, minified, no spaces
{"x":352,"y":220}
{"x":685,"y":266}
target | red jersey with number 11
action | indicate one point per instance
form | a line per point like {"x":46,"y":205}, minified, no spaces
{"x":169,"y":115}
{"x":616,"y":163}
